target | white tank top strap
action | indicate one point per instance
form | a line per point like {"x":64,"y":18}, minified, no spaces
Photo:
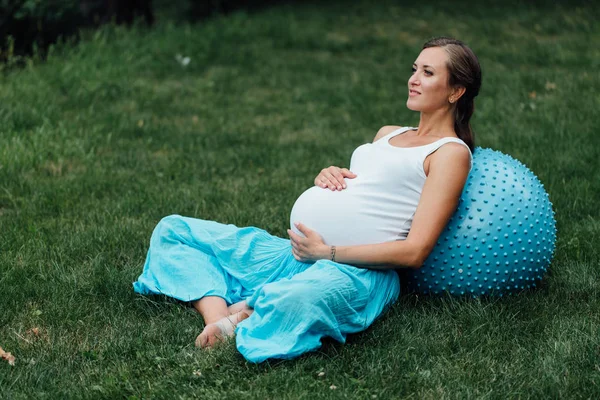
{"x":439,"y":143}
{"x":394,"y":133}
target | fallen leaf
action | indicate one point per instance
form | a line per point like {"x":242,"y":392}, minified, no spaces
{"x":332,"y":387}
{"x":550,"y":85}
{"x":34,"y":331}
{"x":195,"y":119}
{"x":7,"y":356}
{"x":197,"y":373}
{"x":532,"y":95}
{"x":321,"y":373}
{"x":140,"y":123}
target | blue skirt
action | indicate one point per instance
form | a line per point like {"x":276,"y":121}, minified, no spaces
{"x":295,"y":304}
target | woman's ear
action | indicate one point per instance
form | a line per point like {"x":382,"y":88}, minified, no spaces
{"x":456,"y":94}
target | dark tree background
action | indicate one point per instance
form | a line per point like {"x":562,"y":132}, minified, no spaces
{"x":28,"y":26}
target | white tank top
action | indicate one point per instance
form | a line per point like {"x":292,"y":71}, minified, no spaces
{"x":379,"y":204}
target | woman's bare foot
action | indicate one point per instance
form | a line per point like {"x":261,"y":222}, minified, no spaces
{"x":218,"y":331}
{"x":210,"y":336}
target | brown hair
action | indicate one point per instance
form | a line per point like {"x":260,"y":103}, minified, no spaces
{"x":464,"y":70}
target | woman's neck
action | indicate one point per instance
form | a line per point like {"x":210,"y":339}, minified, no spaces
{"x":437,"y":123}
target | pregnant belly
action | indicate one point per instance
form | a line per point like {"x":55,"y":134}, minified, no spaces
{"x":340,"y":217}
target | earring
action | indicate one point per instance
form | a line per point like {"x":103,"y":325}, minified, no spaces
{"x":451,"y":99}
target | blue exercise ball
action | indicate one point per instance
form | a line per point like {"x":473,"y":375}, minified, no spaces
{"x":501,"y":238}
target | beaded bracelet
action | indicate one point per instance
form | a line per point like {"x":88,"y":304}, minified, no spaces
{"x":332,"y":253}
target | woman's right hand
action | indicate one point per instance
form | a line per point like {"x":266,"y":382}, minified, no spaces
{"x":333,"y":178}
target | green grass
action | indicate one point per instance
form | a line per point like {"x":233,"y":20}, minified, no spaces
{"x":109,"y":135}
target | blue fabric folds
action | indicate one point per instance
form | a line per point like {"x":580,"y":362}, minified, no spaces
{"x":296,"y":304}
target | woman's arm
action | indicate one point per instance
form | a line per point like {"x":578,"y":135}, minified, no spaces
{"x":448,"y":171}
{"x":374,"y":256}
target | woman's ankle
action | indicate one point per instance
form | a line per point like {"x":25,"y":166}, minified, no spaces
{"x":214,"y":318}
{"x":212,"y":308}
{"x":241,"y":315}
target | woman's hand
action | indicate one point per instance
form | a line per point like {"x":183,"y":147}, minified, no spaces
{"x":309,"y":248}
{"x":333,"y":178}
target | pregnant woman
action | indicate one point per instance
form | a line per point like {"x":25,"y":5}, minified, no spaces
{"x":335,"y":274}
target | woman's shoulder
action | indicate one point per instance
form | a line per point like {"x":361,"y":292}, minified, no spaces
{"x":386,"y":130}
{"x":452,"y":155}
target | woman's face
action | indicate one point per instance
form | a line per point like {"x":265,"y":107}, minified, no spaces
{"x":428,"y":88}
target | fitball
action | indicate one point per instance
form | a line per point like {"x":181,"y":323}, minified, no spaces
{"x":501,"y":238}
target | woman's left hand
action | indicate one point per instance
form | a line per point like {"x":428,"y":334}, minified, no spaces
{"x":309,"y":248}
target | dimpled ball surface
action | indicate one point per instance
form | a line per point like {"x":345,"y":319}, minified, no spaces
{"x":501,"y":238}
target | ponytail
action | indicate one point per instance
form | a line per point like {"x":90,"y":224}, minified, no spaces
{"x":462,"y":115}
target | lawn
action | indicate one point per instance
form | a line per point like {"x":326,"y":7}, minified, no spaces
{"x":109,"y":135}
